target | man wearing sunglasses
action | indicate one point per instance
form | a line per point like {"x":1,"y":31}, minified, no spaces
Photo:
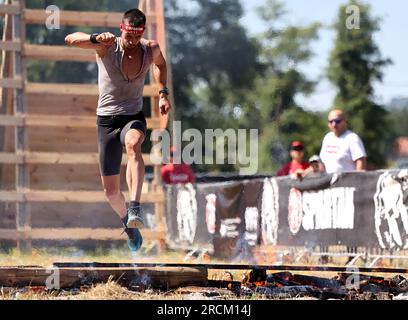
{"x":342,"y":150}
{"x":123,"y":63}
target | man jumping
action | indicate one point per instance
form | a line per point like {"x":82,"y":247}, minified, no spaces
{"x":123,"y":63}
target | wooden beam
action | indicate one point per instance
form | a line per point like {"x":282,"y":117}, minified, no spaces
{"x":90,"y":234}
{"x":79,"y":18}
{"x":9,"y":9}
{"x":7,"y":120}
{"x":60,"y":121}
{"x":61,"y":88}
{"x":11,"y":158}
{"x":58,"y":53}
{"x":81,"y":196}
{"x":76,"y":18}
{"x":76,"y":89}
{"x":156,"y":277}
{"x":10,"y":45}
{"x":11,"y":196}
{"x":78,"y":234}
{"x":10,"y":83}
{"x":59,"y":158}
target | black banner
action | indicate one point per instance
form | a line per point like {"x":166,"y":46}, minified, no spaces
{"x":367,"y":209}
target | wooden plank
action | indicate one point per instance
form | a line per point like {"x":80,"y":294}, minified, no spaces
{"x":79,"y":18}
{"x":79,"y":234}
{"x":90,"y":234}
{"x":8,"y":120}
{"x":70,"y":196}
{"x":10,"y":45}
{"x":59,"y":158}
{"x":11,"y":158}
{"x":10,"y":83}
{"x":77,"y":177}
{"x":9,"y":9}
{"x":58,"y":53}
{"x":62,"y":139}
{"x":60,"y":121}
{"x":155,"y":277}
{"x":11,"y":196}
{"x":62,"y":88}
{"x":11,"y":234}
{"x":74,"y":121}
{"x":83,"y":196}
{"x":76,"y":89}
{"x":67,"y":105}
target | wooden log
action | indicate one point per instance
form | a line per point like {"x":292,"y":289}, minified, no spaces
{"x":158,"y":277}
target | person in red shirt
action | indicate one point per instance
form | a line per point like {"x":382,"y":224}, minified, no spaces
{"x":173,"y":173}
{"x":297,"y":165}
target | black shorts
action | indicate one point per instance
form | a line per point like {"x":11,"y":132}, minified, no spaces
{"x":111,"y":139}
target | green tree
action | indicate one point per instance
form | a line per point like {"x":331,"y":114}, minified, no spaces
{"x":213,"y":59}
{"x":214,"y":64}
{"x":273,"y":103}
{"x":354,"y":66}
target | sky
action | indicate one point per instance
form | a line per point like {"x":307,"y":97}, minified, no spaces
{"x":390,"y":40}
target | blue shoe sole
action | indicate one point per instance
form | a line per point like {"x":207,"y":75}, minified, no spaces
{"x":136,"y":242}
{"x":135,"y":223}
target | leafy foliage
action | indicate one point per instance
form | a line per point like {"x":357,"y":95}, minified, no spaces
{"x":355,"y":64}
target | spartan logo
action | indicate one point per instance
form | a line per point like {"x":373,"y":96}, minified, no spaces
{"x":391,"y":217}
{"x":186,"y":212}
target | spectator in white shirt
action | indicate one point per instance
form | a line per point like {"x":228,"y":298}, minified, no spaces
{"x":342,"y":150}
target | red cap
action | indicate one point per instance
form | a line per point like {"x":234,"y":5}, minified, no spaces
{"x":296,"y":144}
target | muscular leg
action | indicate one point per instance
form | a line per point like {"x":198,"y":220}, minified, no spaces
{"x":135,"y":166}
{"x":111,"y":186}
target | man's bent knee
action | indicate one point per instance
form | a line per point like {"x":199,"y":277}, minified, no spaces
{"x":112,"y":193}
{"x":134,"y":144}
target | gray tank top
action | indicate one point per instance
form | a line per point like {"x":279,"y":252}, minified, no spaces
{"x":117,"y":93}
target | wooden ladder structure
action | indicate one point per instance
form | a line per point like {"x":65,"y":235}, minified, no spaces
{"x":27,"y":113}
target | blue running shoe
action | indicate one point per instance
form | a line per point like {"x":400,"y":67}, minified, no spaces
{"x":135,"y":219}
{"x":135,"y":239}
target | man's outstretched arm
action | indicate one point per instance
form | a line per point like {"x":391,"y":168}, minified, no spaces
{"x":83,"y":40}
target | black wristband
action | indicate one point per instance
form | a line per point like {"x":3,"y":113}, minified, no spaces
{"x":164,"y":90}
{"x":92,"y":38}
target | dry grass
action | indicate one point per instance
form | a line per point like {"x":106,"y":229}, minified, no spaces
{"x":114,"y":291}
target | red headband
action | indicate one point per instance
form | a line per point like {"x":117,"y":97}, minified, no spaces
{"x":132,"y":29}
